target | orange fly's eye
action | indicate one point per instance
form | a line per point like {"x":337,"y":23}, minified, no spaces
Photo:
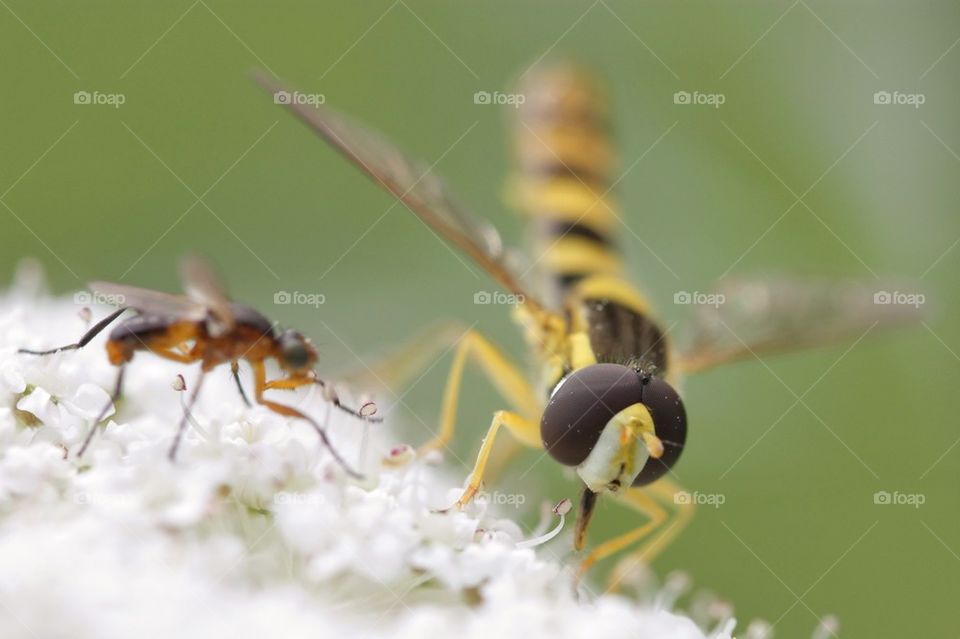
{"x":294,"y":348}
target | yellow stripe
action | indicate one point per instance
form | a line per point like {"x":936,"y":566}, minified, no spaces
{"x":613,"y":289}
{"x":571,"y":254}
{"x":566,"y":200}
{"x":575,"y":147}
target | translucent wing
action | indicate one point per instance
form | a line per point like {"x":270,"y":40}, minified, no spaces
{"x":409,"y":180}
{"x":743,"y":316}
{"x":203,"y":285}
{"x":149,"y":301}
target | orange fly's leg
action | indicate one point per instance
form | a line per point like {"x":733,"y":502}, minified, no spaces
{"x":235,"y":371}
{"x":297,"y":381}
{"x":288,"y":383}
{"x":260,"y":385}
{"x":117,"y":389}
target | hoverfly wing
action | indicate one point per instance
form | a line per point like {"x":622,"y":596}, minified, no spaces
{"x":149,"y":301}
{"x":203,"y":285}
{"x":411,"y":182}
{"x":746,"y":317}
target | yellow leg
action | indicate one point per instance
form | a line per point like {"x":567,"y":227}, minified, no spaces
{"x":681,"y":512}
{"x":656,"y":502}
{"x":398,"y":368}
{"x":506,"y":378}
{"x":638,"y":500}
{"x":524,"y":430}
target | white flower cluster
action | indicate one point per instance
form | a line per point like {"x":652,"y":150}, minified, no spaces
{"x":254,"y":531}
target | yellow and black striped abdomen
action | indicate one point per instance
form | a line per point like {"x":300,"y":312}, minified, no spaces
{"x":563,"y":178}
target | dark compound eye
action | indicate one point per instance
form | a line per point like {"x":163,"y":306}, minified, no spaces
{"x":582,"y":405}
{"x":670,"y":422}
{"x":587,"y":399}
{"x":294,"y":348}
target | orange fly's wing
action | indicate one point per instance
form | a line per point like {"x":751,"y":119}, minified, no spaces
{"x":203,"y":285}
{"x":149,"y":301}
{"x":410,"y":181}
{"x":747,"y":317}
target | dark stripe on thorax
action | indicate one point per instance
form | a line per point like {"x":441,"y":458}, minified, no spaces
{"x":622,"y":335}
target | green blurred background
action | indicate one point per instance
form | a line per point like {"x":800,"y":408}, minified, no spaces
{"x":111,"y":193}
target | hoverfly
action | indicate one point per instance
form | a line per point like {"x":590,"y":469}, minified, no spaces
{"x":205,"y":326}
{"x":605,"y":401}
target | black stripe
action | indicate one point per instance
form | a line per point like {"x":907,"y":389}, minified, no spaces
{"x":567,"y":280}
{"x":560,"y":228}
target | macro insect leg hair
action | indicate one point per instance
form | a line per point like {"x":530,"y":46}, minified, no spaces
{"x":94,"y":330}
{"x":117,"y":389}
